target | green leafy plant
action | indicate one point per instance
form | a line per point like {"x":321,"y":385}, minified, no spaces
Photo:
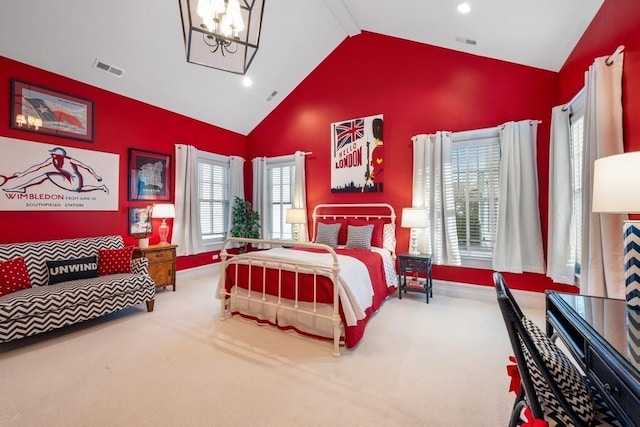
{"x":246,"y":222}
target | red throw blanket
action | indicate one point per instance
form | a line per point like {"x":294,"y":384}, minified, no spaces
{"x":324,"y":287}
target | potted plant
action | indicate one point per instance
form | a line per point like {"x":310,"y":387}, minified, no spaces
{"x":246,"y":222}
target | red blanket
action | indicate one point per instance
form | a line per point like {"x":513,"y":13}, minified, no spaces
{"x":324,"y":287}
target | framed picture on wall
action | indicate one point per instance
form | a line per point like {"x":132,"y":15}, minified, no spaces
{"x":41,"y":110}
{"x":140,"y":223}
{"x":149,"y":175}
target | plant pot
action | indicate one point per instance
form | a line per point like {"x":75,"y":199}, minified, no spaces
{"x":143,"y":242}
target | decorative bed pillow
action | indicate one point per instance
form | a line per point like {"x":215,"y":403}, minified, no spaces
{"x":72,"y":269}
{"x":359,"y":237}
{"x":328,"y":234}
{"x":389,"y":237}
{"x":13,"y":276}
{"x":114,"y":261}
{"x":378,"y":226}
{"x":342,"y":235}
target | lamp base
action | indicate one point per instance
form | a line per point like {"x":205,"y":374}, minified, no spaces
{"x":163,"y":231}
{"x":631,"y":232}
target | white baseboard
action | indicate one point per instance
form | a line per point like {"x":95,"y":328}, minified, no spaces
{"x":526,"y":299}
{"x":197,"y":272}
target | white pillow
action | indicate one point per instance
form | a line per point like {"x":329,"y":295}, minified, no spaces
{"x":389,"y":237}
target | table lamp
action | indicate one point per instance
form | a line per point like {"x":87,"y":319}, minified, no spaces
{"x":616,"y":189}
{"x":414,"y":218}
{"x":296,"y":216}
{"x":164,"y":211}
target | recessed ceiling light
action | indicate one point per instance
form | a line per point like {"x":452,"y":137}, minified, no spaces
{"x":464,"y":7}
{"x":247,"y":82}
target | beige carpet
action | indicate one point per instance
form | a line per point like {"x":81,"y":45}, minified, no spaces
{"x":441,"y":364}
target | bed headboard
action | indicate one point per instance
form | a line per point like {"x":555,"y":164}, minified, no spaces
{"x":366,"y":211}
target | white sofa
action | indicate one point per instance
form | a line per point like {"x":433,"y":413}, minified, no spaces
{"x":44,"y":307}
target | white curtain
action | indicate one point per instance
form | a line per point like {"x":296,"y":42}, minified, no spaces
{"x":236,"y":188}
{"x":602,"y":272}
{"x":300,"y":194}
{"x":518,"y":244}
{"x":433,"y":190}
{"x":560,"y":263}
{"x":261,"y":195}
{"x":186,"y":225}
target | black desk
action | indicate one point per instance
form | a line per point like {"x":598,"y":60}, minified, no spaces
{"x":597,"y":332}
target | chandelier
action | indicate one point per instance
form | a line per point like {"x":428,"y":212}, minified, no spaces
{"x":222,"y":34}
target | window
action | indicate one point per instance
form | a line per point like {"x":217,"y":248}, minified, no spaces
{"x":475,"y":159}
{"x":213,"y":197}
{"x":281,"y":178}
{"x":576,"y":148}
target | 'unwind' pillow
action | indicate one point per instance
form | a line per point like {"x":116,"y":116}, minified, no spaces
{"x":72,"y":269}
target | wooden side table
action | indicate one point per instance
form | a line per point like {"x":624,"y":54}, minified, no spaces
{"x":410,"y":266}
{"x":162,"y":263}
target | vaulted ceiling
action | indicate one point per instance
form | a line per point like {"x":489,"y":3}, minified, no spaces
{"x":144,"y":38}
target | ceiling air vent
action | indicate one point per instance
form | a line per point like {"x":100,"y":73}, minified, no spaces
{"x":273,"y":94}
{"x":118,"y":72}
{"x":466,"y":40}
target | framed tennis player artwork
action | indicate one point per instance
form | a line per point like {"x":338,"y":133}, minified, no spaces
{"x":41,"y":110}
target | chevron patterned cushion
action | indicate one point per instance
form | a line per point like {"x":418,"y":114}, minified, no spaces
{"x":328,"y":234}
{"x":114,"y":261}
{"x":72,"y":269}
{"x":13,"y":276}
{"x":359,"y":237}
{"x":566,"y":376}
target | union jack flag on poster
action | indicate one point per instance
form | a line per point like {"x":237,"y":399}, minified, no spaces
{"x":357,"y":163}
{"x":348,"y":132}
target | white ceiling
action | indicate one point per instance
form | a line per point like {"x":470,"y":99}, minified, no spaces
{"x":144,"y":37}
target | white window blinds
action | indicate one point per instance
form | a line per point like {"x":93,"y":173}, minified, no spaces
{"x":475,"y":158}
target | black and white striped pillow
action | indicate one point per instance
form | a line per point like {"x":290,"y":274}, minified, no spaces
{"x":359,"y":237}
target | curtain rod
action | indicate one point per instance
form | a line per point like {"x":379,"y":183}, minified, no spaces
{"x":616,"y":52}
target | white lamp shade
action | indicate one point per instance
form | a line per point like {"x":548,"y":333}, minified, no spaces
{"x":616,"y":187}
{"x":296,"y":216}
{"x":163,"y":210}
{"x":414,"y":218}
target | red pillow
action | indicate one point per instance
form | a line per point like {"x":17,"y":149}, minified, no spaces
{"x":342,"y":235}
{"x":13,"y":276}
{"x":114,"y":261}
{"x":378,"y":229}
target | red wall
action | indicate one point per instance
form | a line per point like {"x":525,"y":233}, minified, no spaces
{"x":419,"y":89}
{"x":120,"y":123}
{"x":617,"y":23}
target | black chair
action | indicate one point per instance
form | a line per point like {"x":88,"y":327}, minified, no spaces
{"x":552,"y":389}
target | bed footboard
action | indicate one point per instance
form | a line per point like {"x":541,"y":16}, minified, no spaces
{"x":283,"y":283}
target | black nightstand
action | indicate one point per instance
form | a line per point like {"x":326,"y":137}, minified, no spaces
{"x":410,"y":266}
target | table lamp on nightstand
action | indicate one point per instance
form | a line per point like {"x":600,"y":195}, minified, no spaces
{"x":296,"y":216}
{"x":164,"y":211}
{"x":615,"y":190}
{"x":414,"y":218}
